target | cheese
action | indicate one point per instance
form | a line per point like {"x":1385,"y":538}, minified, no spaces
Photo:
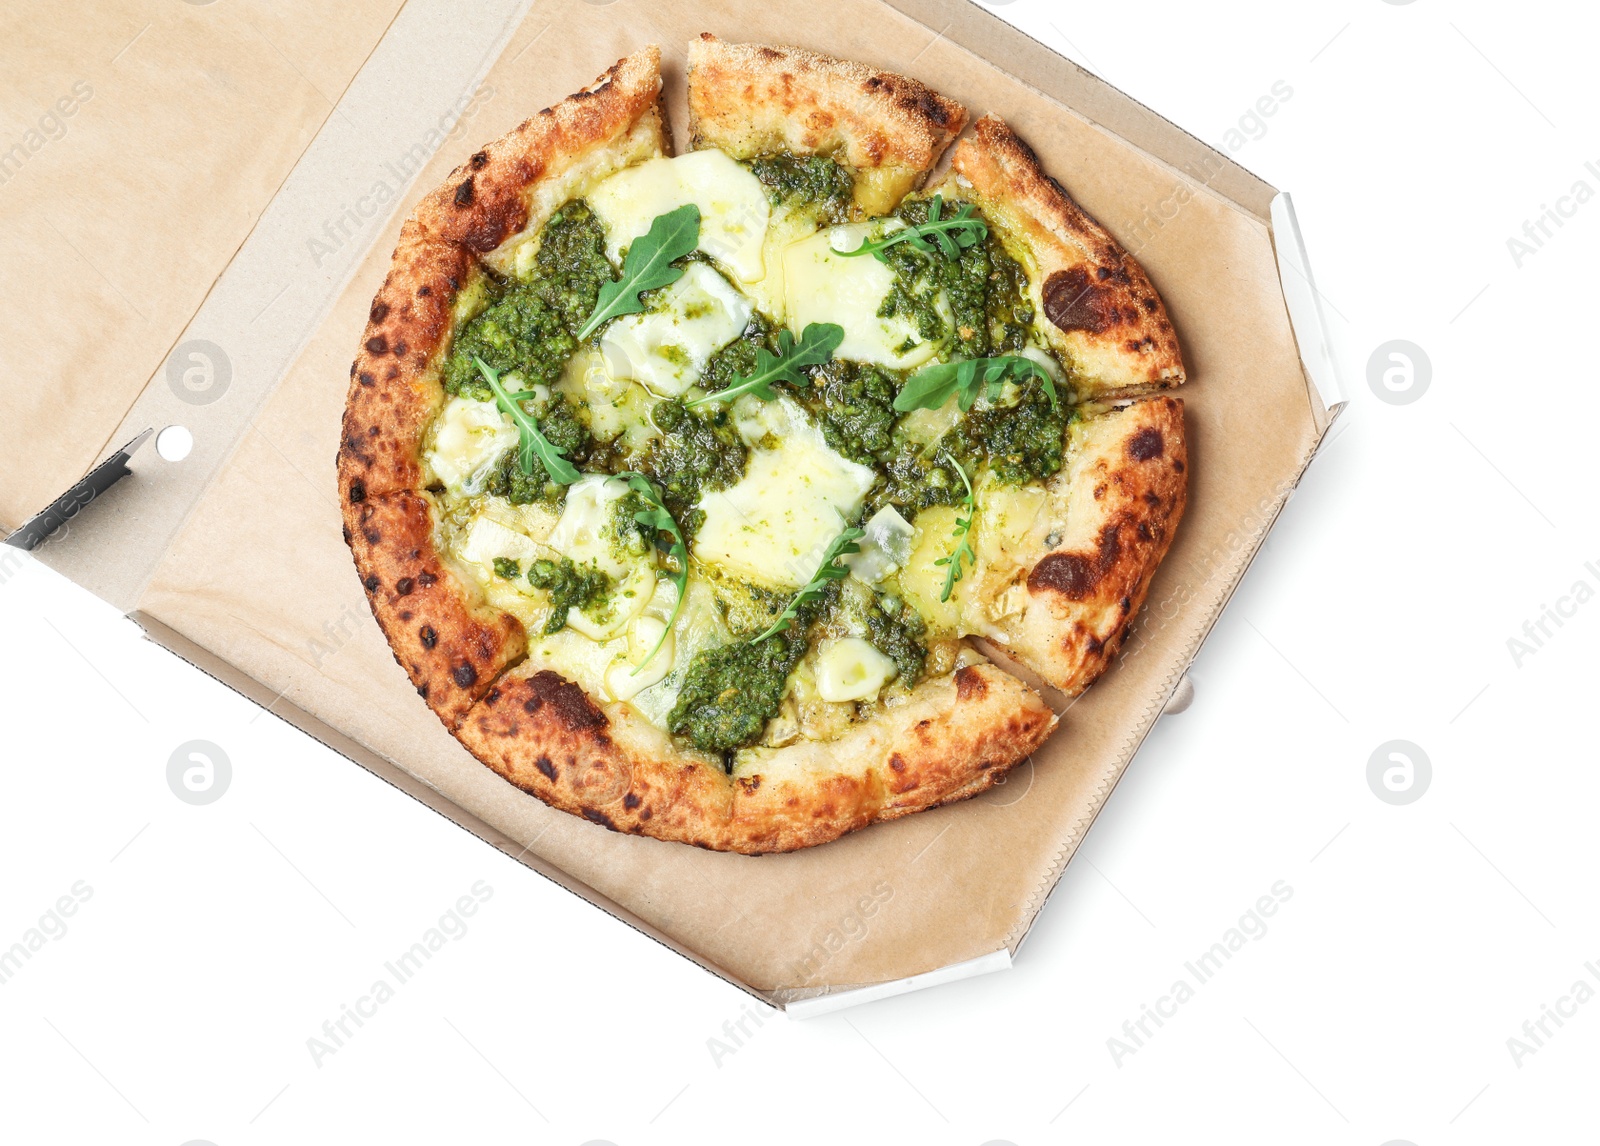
{"x":796,"y":496}
{"x":616,"y":407}
{"x":468,"y":439}
{"x":668,"y":348}
{"x":820,"y":285}
{"x":624,"y":678}
{"x":922,"y":579}
{"x":885,"y":547}
{"x":852,"y":669}
{"x":733,"y":207}
{"x":628,"y":599}
{"x":584,"y":531}
{"x":488,"y":539}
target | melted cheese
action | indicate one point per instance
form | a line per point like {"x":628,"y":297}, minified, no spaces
{"x":468,"y":438}
{"x":584,"y":531}
{"x":820,"y":285}
{"x":668,"y":348}
{"x":733,"y":207}
{"x":796,"y":496}
{"x":885,"y":547}
{"x":922,"y":579}
{"x":852,"y":669}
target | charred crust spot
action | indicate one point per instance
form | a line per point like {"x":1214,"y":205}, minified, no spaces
{"x":479,"y":160}
{"x":400,"y":349}
{"x":1075,"y":575}
{"x":970,"y":684}
{"x":464,"y":675}
{"x":404,"y":586}
{"x":1177,"y":467}
{"x":380,"y":310}
{"x":428,"y":635}
{"x":424,"y":291}
{"x":595,"y":815}
{"x":422,"y":690}
{"x":897,"y":763}
{"x":546,"y":766}
{"x":1146,"y":444}
{"x":406,"y":615}
{"x":426,"y":578}
{"x":645,"y":815}
{"x":1127,"y":605}
{"x":630,"y":801}
{"x":372,"y":535}
{"x":464,"y":193}
{"x":1073,"y":302}
{"x":370,"y":584}
{"x":377,"y":344}
{"x":569,"y":704}
{"x":365,"y":378}
{"x":1151,"y":497}
{"x":358,"y":491}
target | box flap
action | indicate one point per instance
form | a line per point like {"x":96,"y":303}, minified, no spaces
{"x":143,"y":140}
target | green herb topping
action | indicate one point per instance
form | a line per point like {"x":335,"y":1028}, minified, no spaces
{"x":948,"y":237}
{"x":952,"y":563}
{"x":583,"y":587}
{"x":817,"y":343}
{"x":647,"y":266}
{"x":533,"y":444}
{"x":932,"y":386}
{"x":656,"y":520}
{"x":827,"y":571}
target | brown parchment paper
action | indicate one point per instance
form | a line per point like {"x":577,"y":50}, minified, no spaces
{"x":260,"y":577}
{"x":139,"y":142}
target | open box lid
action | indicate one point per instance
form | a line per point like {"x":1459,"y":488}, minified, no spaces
{"x":234,"y":559}
{"x":148,"y":139}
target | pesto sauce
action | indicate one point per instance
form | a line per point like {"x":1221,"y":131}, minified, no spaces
{"x":854,"y":403}
{"x":699,"y":452}
{"x":730,"y":692}
{"x":560,"y":422}
{"x":583,"y":587}
{"x":987,"y":291}
{"x":531,"y":326}
{"x":814,"y":182}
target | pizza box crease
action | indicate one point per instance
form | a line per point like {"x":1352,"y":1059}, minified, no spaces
{"x":939,"y":889}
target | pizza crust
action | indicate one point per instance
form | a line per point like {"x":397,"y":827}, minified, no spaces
{"x":505,"y":191}
{"x":451,"y":645}
{"x":1094,"y":302}
{"x":1113,"y":510}
{"x":751,"y":99}
{"x":394,"y":382}
{"x":953,"y":738}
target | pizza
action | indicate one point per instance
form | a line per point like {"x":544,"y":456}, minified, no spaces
{"x":728,"y":497}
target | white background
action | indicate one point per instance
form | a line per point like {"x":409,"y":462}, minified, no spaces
{"x":1377,"y":1006}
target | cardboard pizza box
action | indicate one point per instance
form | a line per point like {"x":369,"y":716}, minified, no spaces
{"x":233,"y":558}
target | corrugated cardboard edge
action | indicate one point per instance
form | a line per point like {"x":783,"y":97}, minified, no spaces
{"x":329,"y":737}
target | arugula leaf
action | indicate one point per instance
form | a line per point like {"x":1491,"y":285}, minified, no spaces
{"x":659,"y":520}
{"x":533,"y":443}
{"x":826,"y":571}
{"x":817,"y":344}
{"x":932,"y":386}
{"x":648,"y":266}
{"x":952,"y":563}
{"x":948,"y":236}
